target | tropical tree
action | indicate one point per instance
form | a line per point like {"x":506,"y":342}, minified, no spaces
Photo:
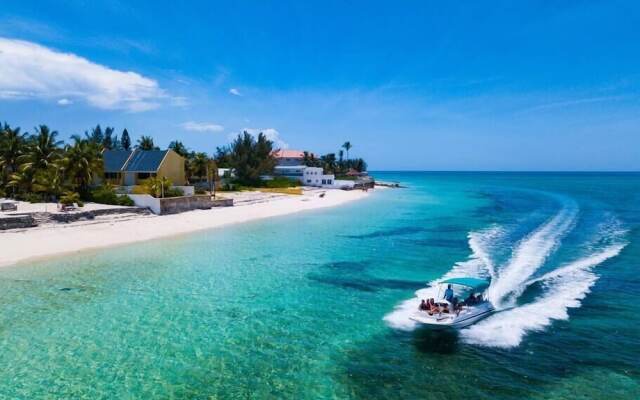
{"x":82,"y":163}
{"x":42,"y":150}
{"x":199,"y":164}
{"x":12,"y":146}
{"x":96,"y":136}
{"x":179,"y":148}
{"x":125,"y":140}
{"x":328,"y":162}
{"x":252,"y":158}
{"x":347,"y":146}
{"x":49,"y":181}
{"x":157,"y":186}
{"x":223,"y":156}
{"x":146,"y":143}
{"x":109,"y":140}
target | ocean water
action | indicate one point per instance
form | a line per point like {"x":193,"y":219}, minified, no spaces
{"x":315,"y":305}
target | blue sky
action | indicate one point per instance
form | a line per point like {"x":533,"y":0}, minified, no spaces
{"x":413,"y":85}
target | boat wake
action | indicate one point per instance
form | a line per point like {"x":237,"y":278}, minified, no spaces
{"x":560,"y":288}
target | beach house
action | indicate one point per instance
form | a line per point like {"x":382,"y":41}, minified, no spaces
{"x":130,"y":168}
{"x":290,"y":164}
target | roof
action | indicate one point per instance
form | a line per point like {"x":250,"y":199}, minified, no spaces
{"x":282,"y":153}
{"x":145,"y":160}
{"x":353,"y":172}
{"x":474,"y":283}
{"x":114,"y":160}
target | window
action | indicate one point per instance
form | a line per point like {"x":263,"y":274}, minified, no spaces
{"x":324,"y":181}
{"x":308,"y":180}
{"x":112,"y":175}
{"x":145,"y":175}
{"x":329,"y":182}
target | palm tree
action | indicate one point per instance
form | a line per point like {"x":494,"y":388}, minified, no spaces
{"x":179,"y":148}
{"x":12,"y":146}
{"x":347,"y":146}
{"x":156,"y":186}
{"x":82,"y":162}
{"x":199,"y":165}
{"x":41,"y":151}
{"x":146,"y":143}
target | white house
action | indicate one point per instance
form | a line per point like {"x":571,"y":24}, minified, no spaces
{"x":314,"y":176}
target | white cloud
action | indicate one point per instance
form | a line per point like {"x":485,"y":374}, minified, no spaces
{"x":65,"y":102}
{"x":271,"y":134}
{"x":29,"y":70}
{"x":235,"y":92}
{"x":201,"y":126}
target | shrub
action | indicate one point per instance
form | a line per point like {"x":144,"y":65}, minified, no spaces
{"x":173,"y":192}
{"x":125,"y":201}
{"x":69,"y":198}
{"x":2,"y":193}
{"x":104,"y":194}
{"x":32,"y":198}
{"x":157,"y":186}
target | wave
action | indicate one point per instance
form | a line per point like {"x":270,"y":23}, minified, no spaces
{"x":562,"y":288}
{"x":565,"y":288}
{"x":529,"y":255}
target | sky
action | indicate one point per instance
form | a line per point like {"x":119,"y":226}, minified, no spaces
{"x":413,"y":85}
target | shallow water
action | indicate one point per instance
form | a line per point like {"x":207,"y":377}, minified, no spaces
{"x":315,"y":305}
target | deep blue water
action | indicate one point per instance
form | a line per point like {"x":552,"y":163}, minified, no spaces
{"x":315,"y":305}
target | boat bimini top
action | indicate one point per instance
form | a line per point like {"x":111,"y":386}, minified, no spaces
{"x":476,"y":284}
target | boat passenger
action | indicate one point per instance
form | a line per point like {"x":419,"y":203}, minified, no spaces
{"x":424,"y":306}
{"x":470,"y":300}
{"x":433,"y":307}
{"x":448,"y":294}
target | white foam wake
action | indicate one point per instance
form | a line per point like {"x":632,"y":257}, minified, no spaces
{"x":479,"y":263}
{"x":529,"y":255}
{"x":565,"y":288}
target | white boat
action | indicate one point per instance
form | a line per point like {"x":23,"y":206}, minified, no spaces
{"x":464,"y":308}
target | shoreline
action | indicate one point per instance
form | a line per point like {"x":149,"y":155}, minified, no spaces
{"x":40,"y":243}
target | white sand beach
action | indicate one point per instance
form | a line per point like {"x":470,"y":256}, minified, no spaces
{"x":56,"y":239}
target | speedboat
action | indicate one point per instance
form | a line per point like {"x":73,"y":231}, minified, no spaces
{"x":466,"y":307}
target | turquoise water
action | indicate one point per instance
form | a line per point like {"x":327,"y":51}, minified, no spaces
{"x":316,"y":305}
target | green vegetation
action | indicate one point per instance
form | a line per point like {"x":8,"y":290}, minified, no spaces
{"x":161,"y":187}
{"x":106,"y":194}
{"x":281,"y":182}
{"x":71,"y":198}
{"x":338,"y":166}
{"x":39,"y":167}
{"x":250,"y":158}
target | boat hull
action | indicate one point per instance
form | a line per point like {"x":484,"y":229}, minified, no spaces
{"x":448,"y":323}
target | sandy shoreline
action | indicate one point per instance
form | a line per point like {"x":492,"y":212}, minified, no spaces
{"x":58,"y":239}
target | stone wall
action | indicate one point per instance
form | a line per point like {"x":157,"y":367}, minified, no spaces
{"x":174,"y":205}
{"x":17,"y":222}
{"x":223,"y":202}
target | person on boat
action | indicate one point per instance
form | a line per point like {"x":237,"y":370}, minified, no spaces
{"x":470,"y":300}
{"x":448,"y":294}
{"x":424,"y":306}
{"x":433,"y":307}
